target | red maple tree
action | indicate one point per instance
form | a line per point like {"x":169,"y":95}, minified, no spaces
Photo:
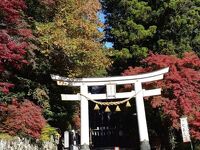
{"x":13,"y":36}
{"x":21,"y":119}
{"x":180,"y":88}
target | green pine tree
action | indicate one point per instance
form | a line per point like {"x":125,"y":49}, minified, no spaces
{"x":162,"y":26}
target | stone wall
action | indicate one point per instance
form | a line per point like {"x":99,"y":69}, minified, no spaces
{"x":26,"y":144}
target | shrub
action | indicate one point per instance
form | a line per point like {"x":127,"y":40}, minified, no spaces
{"x":47,"y":132}
{"x":21,"y":119}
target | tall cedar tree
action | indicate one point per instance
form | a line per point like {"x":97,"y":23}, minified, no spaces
{"x":181,"y":88}
{"x":165,"y":27}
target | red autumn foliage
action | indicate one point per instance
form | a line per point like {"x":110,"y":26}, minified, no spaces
{"x":21,"y":119}
{"x":76,"y":120}
{"x":10,"y":9}
{"x":180,"y":88}
{"x":13,"y":35}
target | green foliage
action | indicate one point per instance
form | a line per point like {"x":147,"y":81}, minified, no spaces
{"x":179,"y":29}
{"x":197,"y":146}
{"x":47,"y":132}
{"x":41,"y":10}
{"x":5,"y":136}
{"x":128,"y":25}
{"x":6,"y":98}
{"x":165,"y":27}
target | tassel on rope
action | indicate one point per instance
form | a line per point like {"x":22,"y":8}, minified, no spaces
{"x":96,"y":107}
{"x":107,"y":109}
{"x":117,"y":108}
{"x":128,"y":104}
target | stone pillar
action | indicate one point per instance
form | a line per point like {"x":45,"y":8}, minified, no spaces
{"x":141,"y":117}
{"x":84,"y":118}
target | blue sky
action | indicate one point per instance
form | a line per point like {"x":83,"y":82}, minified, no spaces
{"x":102,"y":19}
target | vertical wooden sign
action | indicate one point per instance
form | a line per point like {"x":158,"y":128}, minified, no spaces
{"x":185,"y":129}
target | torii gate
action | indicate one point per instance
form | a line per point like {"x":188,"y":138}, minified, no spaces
{"x":110,"y":83}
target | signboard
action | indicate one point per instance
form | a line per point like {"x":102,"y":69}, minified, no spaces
{"x":185,"y":129}
{"x":111,"y":90}
{"x":66,"y":139}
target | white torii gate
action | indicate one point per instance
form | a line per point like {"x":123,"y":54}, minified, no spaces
{"x":110,"y":83}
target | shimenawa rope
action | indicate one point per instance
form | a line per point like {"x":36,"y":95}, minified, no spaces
{"x":110,"y":103}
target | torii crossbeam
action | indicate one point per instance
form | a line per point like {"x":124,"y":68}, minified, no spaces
{"x":110,"y":83}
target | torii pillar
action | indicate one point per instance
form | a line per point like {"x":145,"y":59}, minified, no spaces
{"x":110,"y":83}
